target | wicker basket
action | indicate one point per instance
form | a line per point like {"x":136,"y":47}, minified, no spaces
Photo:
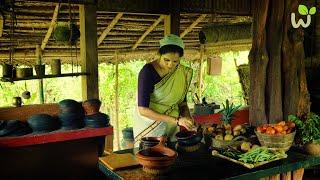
{"x":223,"y":144}
{"x":312,"y":149}
{"x":276,"y":142}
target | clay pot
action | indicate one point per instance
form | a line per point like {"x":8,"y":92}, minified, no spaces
{"x":17,"y":101}
{"x":40,"y":70}
{"x":312,"y":149}
{"x":24,"y":72}
{"x":91,"y":106}
{"x":7,"y":70}
{"x":158,"y":158}
{"x":56,"y":67}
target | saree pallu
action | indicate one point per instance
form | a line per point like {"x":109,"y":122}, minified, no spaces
{"x":167,"y":95}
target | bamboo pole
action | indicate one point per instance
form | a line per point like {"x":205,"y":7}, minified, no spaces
{"x":39,"y":61}
{"x":201,"y":68}
{"x":117,"y":102}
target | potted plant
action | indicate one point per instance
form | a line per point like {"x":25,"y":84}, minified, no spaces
{"x":308,"y":132}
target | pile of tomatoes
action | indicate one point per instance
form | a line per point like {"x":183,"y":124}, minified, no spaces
{"x":280,"y":128}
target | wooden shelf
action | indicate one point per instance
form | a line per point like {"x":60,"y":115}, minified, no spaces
{"x":5,"y":79}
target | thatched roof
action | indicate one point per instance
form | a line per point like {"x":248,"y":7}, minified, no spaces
{"x":33,"y":21}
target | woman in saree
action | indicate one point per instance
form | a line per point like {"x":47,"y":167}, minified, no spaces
{"x":162,"y":88}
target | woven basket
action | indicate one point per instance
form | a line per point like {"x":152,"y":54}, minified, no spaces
{"x":276,"y":142}
{"x":223,"y":144}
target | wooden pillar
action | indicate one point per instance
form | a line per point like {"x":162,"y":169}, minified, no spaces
{"x":88,"y":51}
{"x":39,"y":61}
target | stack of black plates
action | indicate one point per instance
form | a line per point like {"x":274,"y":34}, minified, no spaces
{"x":14,"y":128}
{"x":72,"y":114}
{"x":43,"y":123}
{"x":97,"y":120}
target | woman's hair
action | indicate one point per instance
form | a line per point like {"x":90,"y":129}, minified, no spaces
{"x":171,"y":49}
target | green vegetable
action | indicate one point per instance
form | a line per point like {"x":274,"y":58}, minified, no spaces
{"x":228,"y":112}
{"x":308,"y":130}
{"x":260,"y":154}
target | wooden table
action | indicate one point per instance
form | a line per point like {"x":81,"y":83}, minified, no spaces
{"x":202,"y":165}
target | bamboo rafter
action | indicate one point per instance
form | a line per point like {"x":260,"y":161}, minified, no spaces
{"x":52,"y":25}
{"x":148,"y":31}
{"x":108,"y":29}
{"x":1,"y":24}
{"x":194,"y":24}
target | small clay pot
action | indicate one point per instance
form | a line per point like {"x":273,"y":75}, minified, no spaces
{"x":17,"y":101}
{"x":40,"y":70}
{"x":91,"y":106}
{"x":7,"y":70}
{"x":148,"y":142}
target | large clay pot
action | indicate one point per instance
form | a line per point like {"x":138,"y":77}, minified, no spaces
{"x":156,"y":160}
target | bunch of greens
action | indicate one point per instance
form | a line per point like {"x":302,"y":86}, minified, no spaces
{"x":308,"y":130}
{"x":260,"y":154}
{"x":231,"y":153}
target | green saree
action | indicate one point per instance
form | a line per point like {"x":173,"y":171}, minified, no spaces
{"x":167,"y":95}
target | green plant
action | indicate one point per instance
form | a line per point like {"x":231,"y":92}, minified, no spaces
{"x":228,"y":112}
{"x":308,"y":130}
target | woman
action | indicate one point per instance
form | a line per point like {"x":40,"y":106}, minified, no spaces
{"x":162,"y":88}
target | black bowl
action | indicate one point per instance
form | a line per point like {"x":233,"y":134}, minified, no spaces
{"x":187,"y":138}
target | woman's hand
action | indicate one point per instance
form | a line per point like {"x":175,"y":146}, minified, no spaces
{"x":187,"y":123}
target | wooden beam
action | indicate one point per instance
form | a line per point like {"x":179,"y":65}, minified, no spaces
{"x":1,"y":23}
{"x":108,"y":29}
{"x":194,"y":24}
{"x":52,"y":25}
{"x":148,"y":31}
{"x":89,"y":51}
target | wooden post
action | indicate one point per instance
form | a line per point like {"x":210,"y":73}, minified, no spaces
{"x":286,"y":176}
{"x":117,"y":103}
{"x":39,"y":62}
{"x":200,"y":76}
{"x":88,"y":51}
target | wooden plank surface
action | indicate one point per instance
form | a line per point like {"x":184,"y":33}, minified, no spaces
{"x":119,"y":161}
{"x":24,"y":112}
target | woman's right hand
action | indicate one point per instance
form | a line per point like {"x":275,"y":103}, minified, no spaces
{"x":187,"y":123}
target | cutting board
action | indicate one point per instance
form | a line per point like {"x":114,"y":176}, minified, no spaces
{"x":119,"y":161}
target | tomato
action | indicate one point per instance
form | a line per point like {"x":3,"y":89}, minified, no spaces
{"x":282,"y":123}
{"x":278,"y":128}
